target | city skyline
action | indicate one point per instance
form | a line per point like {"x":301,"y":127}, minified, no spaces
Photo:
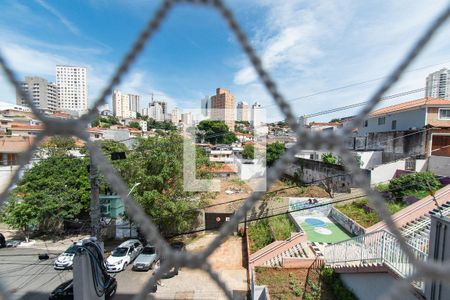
{"x":288,"y":47}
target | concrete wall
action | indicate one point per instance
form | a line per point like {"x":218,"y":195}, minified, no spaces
{"x":385,"y":172}
{"x":347,"y":223}
{"x":320,"y":173}
{"x":249,"y":171}
{"x":440,"y":165}
{"x":6,"y":173}
{"x":405,"y":120}
{"x":395,"y":144}
{"x":370,"y":159}
{"x":372,"y":286}
{"x":297,"y":262}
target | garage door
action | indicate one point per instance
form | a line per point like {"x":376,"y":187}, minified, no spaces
{"x":440,"y":145}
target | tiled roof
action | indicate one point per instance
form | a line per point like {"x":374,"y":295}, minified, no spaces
{"x":324,"y":124}
{"x":15,"y":144}
{"x":225,"y":168}
{"x":18,"y":126}
{"x":409,"y":105}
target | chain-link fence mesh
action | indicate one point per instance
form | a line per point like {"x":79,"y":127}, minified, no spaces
{"x":310,"y":140}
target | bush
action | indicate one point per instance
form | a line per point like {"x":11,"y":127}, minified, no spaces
{"x":329,"y":158}
{"x":339,"y":290}
{"x":413,"y":184}
{"x":266,"y":231}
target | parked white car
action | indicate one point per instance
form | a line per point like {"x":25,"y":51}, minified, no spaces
{"x":65,"y":260}
{"x":123,"y":255}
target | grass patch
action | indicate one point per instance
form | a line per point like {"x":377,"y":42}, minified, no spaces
{"x":266,"y":231}
{"x":361,"y":211}
{"x":304,"y":284}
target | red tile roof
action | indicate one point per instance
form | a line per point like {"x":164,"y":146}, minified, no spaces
{"x":19,"y":126}
{"x":225,"y":168}
{"x":15,"y":144}
{"x":409,"y":105}
{"x":325,"y":124}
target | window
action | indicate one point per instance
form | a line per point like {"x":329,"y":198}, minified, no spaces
{"x":394,"y":124}
{"x":444,"y":114}
{"x":382,"y":121}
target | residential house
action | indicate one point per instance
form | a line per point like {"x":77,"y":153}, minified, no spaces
{"x":415,"y":128}
{"x":224,"y":170}
{"x":324,"y":126}
{"x":221,"y":154}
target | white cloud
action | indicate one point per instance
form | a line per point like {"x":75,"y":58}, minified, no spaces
{"x":313,"y":46}
{"x":68,"y":24}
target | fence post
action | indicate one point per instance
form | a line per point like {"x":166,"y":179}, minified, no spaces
{"x":345,"y":257}
{"x":382,"y":248}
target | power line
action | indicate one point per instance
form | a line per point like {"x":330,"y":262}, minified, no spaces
{"x":353,"y":84}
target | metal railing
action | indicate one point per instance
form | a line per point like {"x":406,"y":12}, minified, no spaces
{"x":376,"y":248}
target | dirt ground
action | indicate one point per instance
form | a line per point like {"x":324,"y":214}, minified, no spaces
{"x":274,"y":201}
{"x":227,"y":261}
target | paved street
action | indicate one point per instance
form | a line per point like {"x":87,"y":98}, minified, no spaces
{"x":26,"y":276}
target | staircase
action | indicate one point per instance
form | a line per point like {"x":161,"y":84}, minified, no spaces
{"x":372,"y":251}
{"x":296,"y":251}
{"x":420,"y":227}
{"x":272,"y":254}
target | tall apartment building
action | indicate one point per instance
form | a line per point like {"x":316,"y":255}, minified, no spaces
{"x":43,"y":93}
{"x":134,"y":102}
{"x":438,"y":84}
{"x":175,"y":115}
{"x":206,"y":106}
{"x":223,"y":107}
{"x":72,"y":88}
{"x":186,"y":119}
{"x":156,"y":111}
{"x":125,"y":105}
{"x":242,"y":111}
{"x":163,"y":105}
{"x":257,"y":113}
{"x":121,"y":105}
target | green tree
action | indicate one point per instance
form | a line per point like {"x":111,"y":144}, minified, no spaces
{"x":105,"y":122}
{"x":58,"y":146}
{"x":409,"y":184}
{"x":157,"y":164}
{"x":215,"y":132}
{"x":248,"y":152}
{"x":274,"y":152}
{"x":134,"y":125}
{"x":329,"y":158}
{"x":110,"y":146}
{"x":165,"y":125}
{"x":55,"y":189}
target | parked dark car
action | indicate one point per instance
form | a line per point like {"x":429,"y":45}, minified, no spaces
{"x":2,"y":241}
{"x":65,"y":290}
{"x":177,"y":246}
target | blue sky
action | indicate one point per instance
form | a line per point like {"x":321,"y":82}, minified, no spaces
{"x":308,"y":46}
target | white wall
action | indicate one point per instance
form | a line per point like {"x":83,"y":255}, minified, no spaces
{"x":6,"y":173}
{"x":385,"y":172}
{"x":372,"y":286}
{"x":440,"y":165}
{"x":370,"y":159}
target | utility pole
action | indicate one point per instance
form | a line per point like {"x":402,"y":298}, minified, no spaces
{"x":95,"y":202}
